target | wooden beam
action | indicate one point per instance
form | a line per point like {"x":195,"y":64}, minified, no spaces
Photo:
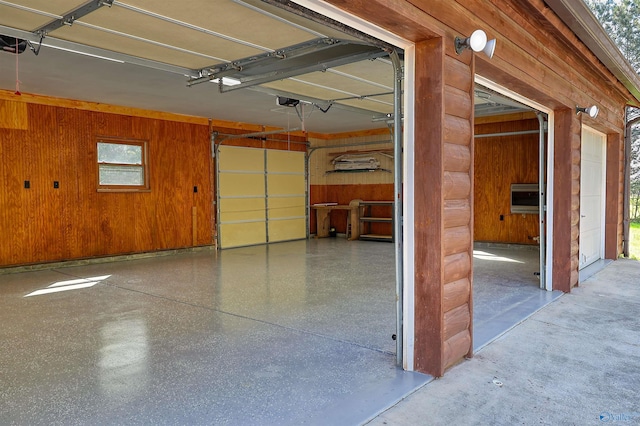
{"x":428,"y":202}
{"x":567,"y":127}
{"x":614,"y":192}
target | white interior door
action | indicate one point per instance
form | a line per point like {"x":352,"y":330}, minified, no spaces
{"x":592,"y":197}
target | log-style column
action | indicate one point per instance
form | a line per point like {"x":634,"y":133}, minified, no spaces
{"x":566,"y":199}
{"x":442,"y":206}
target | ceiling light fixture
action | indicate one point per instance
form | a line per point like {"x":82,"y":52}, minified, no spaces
{"x":227,"y":81}
{"x":83,"y":53}
{"x":593,"y":110}
{"x":477,"y":42}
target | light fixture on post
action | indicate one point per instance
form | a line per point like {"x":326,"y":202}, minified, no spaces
{"x":477,"y":42}
{"x":593,"y":110}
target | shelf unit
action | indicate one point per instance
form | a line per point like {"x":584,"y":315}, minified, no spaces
{"x":366,"y":219}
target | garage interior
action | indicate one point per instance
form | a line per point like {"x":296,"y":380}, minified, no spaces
{"x":251,"y":332}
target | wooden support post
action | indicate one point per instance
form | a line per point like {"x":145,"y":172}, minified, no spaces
{"x":614,"y":195}
{"x":566,"y":187}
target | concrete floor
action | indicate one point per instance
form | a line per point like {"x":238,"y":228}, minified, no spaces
{"x":575,"y":362}
{"x":281,"y":334}
{"x":506,"y":289}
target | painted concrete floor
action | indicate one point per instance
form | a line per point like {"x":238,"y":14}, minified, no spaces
{"x":290,"y":333}
{"x":506,"y":290}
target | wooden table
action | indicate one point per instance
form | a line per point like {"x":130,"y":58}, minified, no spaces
{"x":323,"y":219}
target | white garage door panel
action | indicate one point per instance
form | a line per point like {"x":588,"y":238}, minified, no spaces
{"x":242,"y":234}
{"x":285,"y":162}
{"x":241,"y":196}
{"x":289,"y":207}
{"x":591,"y":196}
{"x":287,"y":230}
{"x":242,"y":209}
{"x":286,"y":186}
{"x":241,"y":185}
{"x":261,"y":196}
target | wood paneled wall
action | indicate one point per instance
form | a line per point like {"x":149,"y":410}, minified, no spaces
{"x":343,"y":194}
{"x":322,"y":152}
{"x":341,"y":188}
{"x":44,"y":224}
{"x":499,"y":162}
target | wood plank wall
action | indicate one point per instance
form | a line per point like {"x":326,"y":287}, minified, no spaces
{"x":43,"y":224}
{"x":499,"y":162}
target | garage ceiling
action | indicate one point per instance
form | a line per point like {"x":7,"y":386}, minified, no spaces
{"x":156,"y":46}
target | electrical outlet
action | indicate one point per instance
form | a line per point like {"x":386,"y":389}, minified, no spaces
{"x":501,"y":217}
{"x":27,"y":184}
{"x":56,"y":185}
{"x":195,"y":189}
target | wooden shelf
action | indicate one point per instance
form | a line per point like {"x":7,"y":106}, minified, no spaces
{"x":376,"y":237}
{"x":366,"y":219}
{"x":376,"y":219}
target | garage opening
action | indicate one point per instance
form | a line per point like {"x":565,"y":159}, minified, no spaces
{"x":510,"y":212}
{"x":293,"y":317}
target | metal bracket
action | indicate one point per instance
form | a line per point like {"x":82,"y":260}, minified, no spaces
{"x":70,"y":17}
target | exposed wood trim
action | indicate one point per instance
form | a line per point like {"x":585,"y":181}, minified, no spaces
{"x":520,"y":116}
{"x":613,"y":196}
{"x":397,"y":16}
{"x":98,"y":107}
{"x":138,"y":112}
{"x":348,"y":135}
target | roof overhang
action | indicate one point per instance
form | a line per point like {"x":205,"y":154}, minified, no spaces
{"x":579,"y":18}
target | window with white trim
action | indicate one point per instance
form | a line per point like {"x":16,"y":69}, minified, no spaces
{"x":122,"y":165}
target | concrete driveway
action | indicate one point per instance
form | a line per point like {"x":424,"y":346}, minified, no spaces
{"x":575,"y":362}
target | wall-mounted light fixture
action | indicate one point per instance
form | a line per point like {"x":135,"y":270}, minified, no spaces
{"x":476,"y":42}
{"x":593,"y":110}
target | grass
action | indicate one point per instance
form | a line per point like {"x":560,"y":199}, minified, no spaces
{"x":634,"y":240}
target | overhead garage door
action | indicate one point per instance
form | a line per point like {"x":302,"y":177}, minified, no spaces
{"x":592,"y":196}
{"x":261,"y":196}
{"x":286,"y":196}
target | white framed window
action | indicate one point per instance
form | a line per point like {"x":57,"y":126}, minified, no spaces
{"x":122,"y":165}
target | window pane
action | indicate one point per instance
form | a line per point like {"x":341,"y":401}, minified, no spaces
{"x":121,"y":175}
{"x":119,"y":153}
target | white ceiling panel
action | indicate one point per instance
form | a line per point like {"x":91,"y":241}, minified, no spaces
{"x":146,"y":27}
{"x":23,"y":20}
{"x":194,"y":35}
{"x":228,"y":17}
{"x":127,"y":45}
{"x":350,"y":86}
{"x":378,"y":71}
{"x":57,"y":7}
